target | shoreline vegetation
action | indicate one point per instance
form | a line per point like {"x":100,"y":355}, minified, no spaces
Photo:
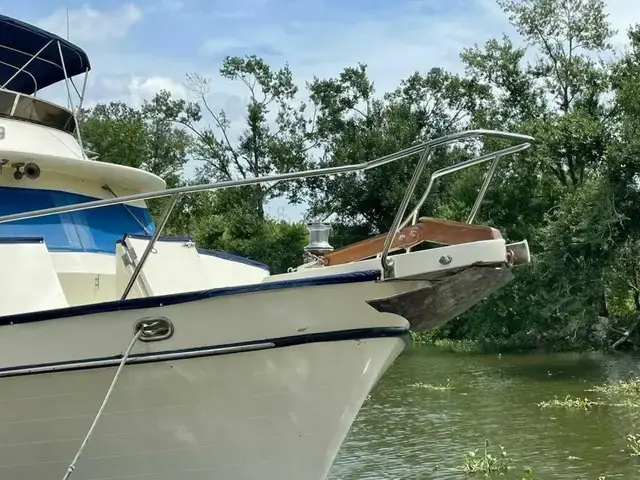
{"x":573,"y":196}
{"x":500,"y":345}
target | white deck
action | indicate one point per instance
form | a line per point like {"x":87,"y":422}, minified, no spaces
{"x":33,"y":284}
{"x":75,"y":278}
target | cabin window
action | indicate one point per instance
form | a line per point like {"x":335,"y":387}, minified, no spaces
{"x":37,"y":111}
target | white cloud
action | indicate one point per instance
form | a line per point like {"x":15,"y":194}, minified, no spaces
{"x":394,"y":44}
{"x":131,"y":89}
{"x":89,"y":25}
{"x":219,"y":45}
{"x":141,"y":88}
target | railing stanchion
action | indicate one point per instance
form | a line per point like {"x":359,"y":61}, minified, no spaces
{"x":387,"y":263}
{"x":147,"y":251}
{"x":483,"y":189}
{"x":413,"y":216}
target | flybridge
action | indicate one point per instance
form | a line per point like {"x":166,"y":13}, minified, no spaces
{"x":32,"y":59}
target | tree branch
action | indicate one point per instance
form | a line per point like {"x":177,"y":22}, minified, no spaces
{"x":234,"y":154}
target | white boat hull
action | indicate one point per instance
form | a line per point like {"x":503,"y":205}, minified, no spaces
{"x":272,"y":414}
{"x":256,"y":385}
{"x":258,"y":381}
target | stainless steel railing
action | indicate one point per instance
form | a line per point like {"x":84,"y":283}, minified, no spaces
{"x":412,"y":218}
{"x":424,"y":148}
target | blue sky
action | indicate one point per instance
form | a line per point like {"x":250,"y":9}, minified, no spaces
{"x":140,"y":46}
{"x":136,"y":46}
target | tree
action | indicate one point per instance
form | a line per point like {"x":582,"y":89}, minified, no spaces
{"x":231,"y":225}
{"x":139,"y":138}
{"x":277,"y":136}
{"x":116,"y":132}
{"x":558,"y":96}
{"x":559,"y":196}
{"x":276,"y":139}
{"x":353,"y":126}
{"x":574,"y":195}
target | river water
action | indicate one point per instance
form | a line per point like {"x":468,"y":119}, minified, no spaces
{"x":408,"y":431}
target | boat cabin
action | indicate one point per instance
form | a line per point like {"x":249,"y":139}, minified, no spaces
{"x":43,"y":164}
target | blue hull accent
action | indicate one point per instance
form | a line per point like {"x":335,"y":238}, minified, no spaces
{"x":95,"y":230}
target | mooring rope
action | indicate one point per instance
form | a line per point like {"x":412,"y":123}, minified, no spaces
{"x":125,"y":357}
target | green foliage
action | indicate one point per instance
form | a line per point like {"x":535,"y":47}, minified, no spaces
{"x":232,"y":226}
{"x":573,"y":196}
{"x":139,"y":138}
{"x":354,"y":125}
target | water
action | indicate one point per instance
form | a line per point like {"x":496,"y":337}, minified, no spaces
{"x":405,"y":431}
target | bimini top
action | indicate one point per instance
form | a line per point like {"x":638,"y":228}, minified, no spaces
{"x":21,"y":42}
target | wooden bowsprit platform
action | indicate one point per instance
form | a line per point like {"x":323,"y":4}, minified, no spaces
{"x":434,"y":230}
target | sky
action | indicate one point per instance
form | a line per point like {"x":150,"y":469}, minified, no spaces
{"x":138,"y":47}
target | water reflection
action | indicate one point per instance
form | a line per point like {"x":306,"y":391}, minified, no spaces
{"x":408,"y":432}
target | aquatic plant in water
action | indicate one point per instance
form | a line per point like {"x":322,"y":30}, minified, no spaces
{"x":485,"y":463}
{"x":634,"y":444}
{"x":570,"y":402}
{"x":630,"y":389}
{"x":624,"y":393}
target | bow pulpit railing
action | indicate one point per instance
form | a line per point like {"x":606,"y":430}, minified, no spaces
{"x":424,"y":149}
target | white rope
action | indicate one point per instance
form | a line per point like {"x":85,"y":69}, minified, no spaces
{"x":125,"y":357}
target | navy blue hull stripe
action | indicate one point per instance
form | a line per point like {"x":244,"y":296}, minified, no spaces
{"x":208,"y":351}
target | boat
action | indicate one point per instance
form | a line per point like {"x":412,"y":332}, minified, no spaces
{"x":126,"y":354}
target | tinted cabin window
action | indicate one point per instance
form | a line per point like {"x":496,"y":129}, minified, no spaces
{"x":36,"y":111}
